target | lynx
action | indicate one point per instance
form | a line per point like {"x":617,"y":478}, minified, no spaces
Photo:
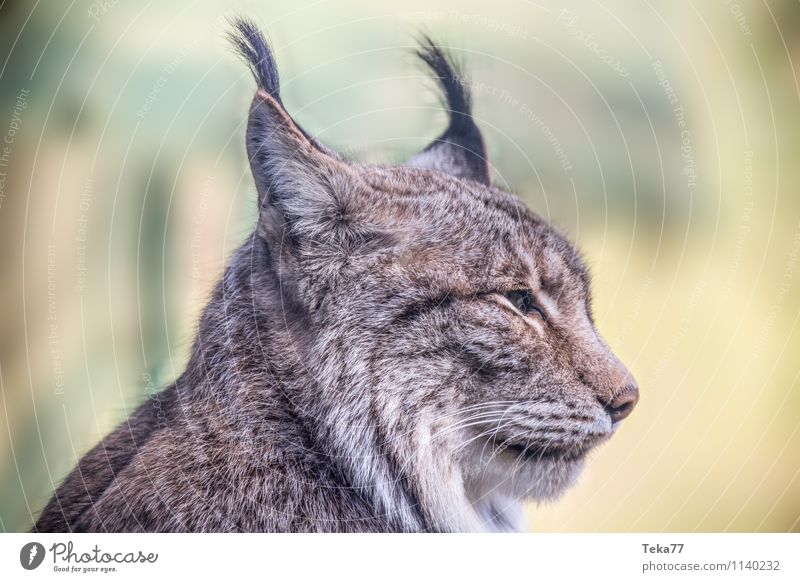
{"x":393,"y":348}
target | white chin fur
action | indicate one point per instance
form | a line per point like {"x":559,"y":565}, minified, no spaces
{"x":542,"y":480}
{"x":497,"y":485}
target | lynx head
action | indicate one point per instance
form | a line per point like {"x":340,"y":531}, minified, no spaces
{"x":444,"y":329}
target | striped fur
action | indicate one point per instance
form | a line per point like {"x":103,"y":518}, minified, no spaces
{"x":362,"y":365}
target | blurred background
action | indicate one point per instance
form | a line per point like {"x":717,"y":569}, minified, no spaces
{"x":663,"y":137}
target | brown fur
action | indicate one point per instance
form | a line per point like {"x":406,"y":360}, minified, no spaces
{"x":363,"y":365}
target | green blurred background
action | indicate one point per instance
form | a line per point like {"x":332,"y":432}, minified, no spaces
{"x":662,"y":136}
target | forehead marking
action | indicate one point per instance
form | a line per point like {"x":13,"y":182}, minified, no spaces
{"x":530,"y":264}
{"x":532,"y":322}
{"x":535,"y":323}
{"x":550,"y":307}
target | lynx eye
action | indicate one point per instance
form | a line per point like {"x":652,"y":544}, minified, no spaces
{"x":522,"y":299}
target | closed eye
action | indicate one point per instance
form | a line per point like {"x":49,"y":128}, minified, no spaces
{"x":522,"y":300}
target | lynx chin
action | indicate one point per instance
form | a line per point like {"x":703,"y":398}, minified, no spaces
{"x":393,"y":348}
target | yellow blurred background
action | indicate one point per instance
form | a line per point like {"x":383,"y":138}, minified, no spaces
{"x":663,"y":137}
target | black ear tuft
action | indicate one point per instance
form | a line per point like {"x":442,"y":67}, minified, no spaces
{"x":254,"y":49}
{"x":251,"y":45}
{"x":460,"y":149}
{"x":451,"y":81}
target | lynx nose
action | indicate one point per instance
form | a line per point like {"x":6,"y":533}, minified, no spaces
{"x":623,"y":404}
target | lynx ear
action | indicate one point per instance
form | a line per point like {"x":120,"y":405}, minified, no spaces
{"x":294,"y":174}
{"x":460,"y":150}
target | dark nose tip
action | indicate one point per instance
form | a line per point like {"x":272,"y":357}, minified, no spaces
{"x":623,"y":404}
